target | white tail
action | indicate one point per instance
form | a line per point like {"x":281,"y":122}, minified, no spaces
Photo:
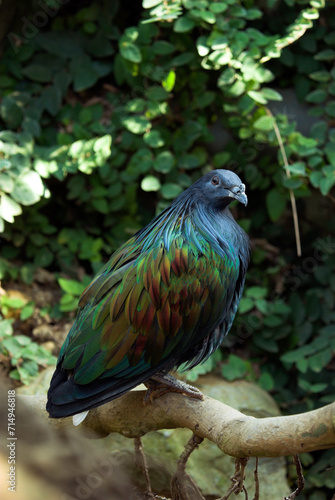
{"x":79,"y":418}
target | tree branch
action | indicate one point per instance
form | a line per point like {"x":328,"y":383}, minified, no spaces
{"x":233,"y":432}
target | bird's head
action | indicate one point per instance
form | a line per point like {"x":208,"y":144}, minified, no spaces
{"x":221,"y":187}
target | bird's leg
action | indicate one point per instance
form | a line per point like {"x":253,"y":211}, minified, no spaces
{"x":161,"y":383}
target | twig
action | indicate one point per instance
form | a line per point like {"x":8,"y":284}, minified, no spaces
{"x":192,"y":445}
{"x":331,"y":197}
{"x":300,"y":479}
{"x":238,"y":479}
{"x":292,"y":197}
{"x":182,"y":485}
{"x":256,"y":477}
{"x":141,"y":462}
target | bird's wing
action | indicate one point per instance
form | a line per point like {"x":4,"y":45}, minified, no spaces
{"x":144,"y":309}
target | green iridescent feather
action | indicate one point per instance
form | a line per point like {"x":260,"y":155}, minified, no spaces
{"x":166,"y":297}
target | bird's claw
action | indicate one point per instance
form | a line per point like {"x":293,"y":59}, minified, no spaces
{"x":163,"y":383}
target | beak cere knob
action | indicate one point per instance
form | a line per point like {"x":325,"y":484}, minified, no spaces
{"x":239,"y":194}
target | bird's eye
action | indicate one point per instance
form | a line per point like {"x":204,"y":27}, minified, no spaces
{"x":215,"y":180}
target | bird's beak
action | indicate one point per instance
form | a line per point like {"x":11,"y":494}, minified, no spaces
{"x":238,"y":193}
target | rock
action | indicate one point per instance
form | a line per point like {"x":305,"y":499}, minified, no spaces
{"x":43,"y":276}
{"x":42,"y":333}
{"x":49,"y":346}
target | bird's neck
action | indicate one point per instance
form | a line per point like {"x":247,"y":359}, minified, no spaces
{"x":220,"y":229}
{"x":197,"y":222}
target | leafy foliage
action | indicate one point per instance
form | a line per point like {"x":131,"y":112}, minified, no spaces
{"x":107,"y":114}
{"x":26,"y":356}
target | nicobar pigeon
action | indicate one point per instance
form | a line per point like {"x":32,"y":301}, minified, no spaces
{"x":168,"y":296}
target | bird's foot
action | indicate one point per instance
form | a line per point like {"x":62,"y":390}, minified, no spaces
{"x":161,"y":383}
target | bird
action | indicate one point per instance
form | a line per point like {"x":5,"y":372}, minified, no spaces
{"x":167,"y":297}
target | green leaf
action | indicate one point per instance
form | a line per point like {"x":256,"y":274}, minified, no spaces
{"x":153,"y":139}
{"x":319,"y":131}
{"x":28,"y":188}
{"x":38,"y":72}
{"x":163,"y":48}
{"x":205,"y":15}
{"x":206,"y":367}
{"x":130,"y":52}
{"x":28,"y":370}
{"x":320,"y":76}
{"x":302,"y":365}
{"x":31,"y":126}
{"x":218,"y":7}
{"x":264,"y":123}
{"x":100,"y":205}
{"x":148,"y":4}
{"x":183,"y":24}
{"x":10,"y":112}
{"x":256,"y":292}
{"x":27,"y":311}
{"x":84,"y":76}
{"x":253,"y":13}
{"x":51,"y":99}
{"x":12,"y":302}
{"x":246,"y":304}
{"x":5,"y":164}
{"x":170,"y":190}
{"x":271,"y":94}
{"x":266,"y":381}
{"x":103,"y":145}
{"x":169,"y":82}
{"x":188,"y":161}
{"x":297,"y":168}
{"x":236,"y":89}
{"x":150,"y":183}
{"x":257,"y":96}
{"x":269,"y":344}
{"x":137,"y":124}
{"x":317,"y":362}
{"x":202,"y":46}
{"x":227,"y":77}
{"x":330,"y":109}
{"x":330,"y":152}
{"x":292,"y":182}
{"x":71,"y":287}
{"x":325,"y":55}
{"x":9,"y":208}
{"x":326,"y":184}
{"x":68,"y":303}
{"x":275,"y":204}
{"x":220,"y":57}
{"x":272,"y":321}
{"x":164,"y":162}
{"x":6,"y":327}
{"x":12,"y":345}
{"x":220,"y":159}
{"x":6,"y":182}
{"x":317,"y":96}
{"x":38,"y":354}
{"x":182,"y":59}
{"x":236,"y":368}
